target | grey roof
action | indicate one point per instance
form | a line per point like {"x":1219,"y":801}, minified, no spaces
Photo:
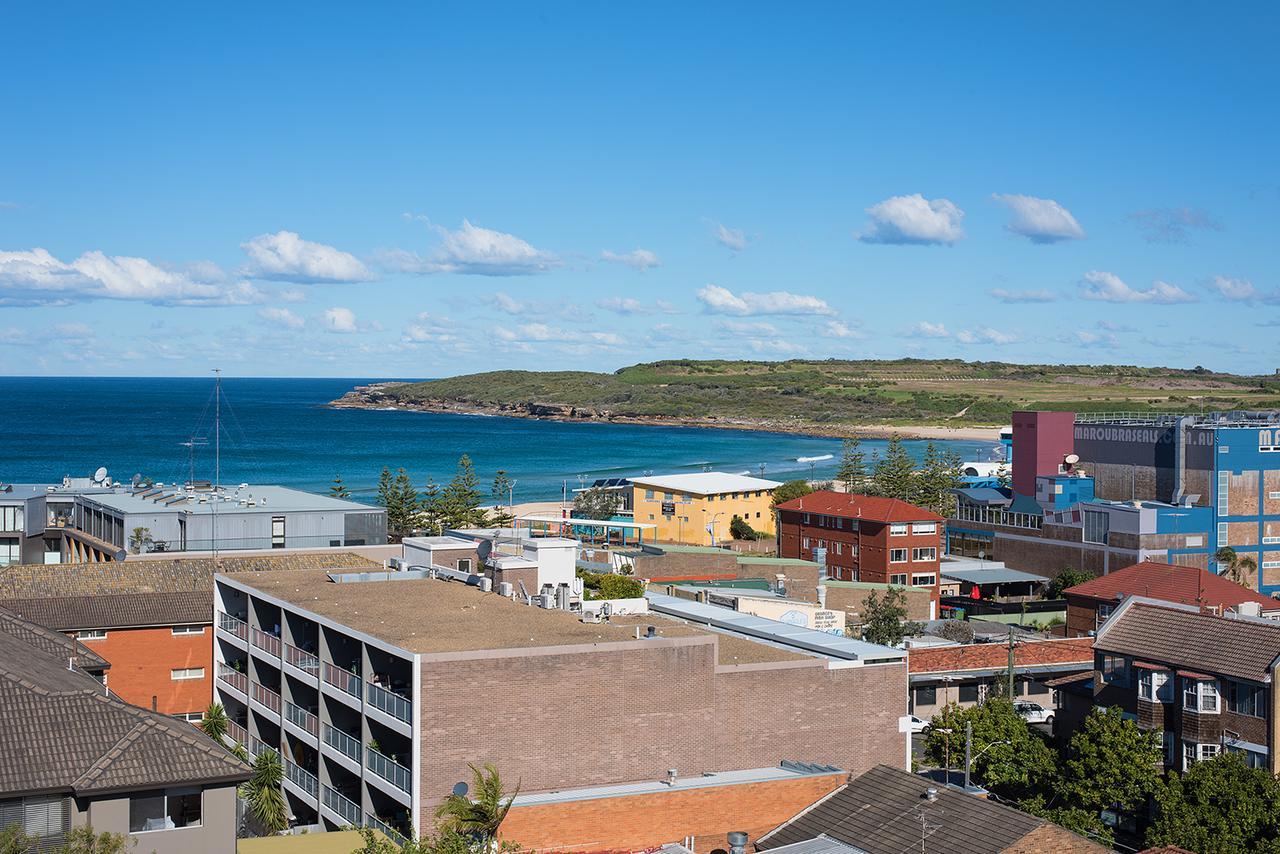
{"x":51,"y":642}
{"x":64,"y":733}
{"x":821,"y":845}
{"x":1180,"y":636}
{"x":267,"y":499}
{"x":116,"y":610}
{"x":786,"y":771}
{"x":990,"y":575}
{"x":880,"y":813}
{"x":982,"y":495}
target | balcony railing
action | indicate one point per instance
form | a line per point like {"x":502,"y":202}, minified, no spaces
{"x":390,"y":702}
{"x":235,"y":625}
{"x":257,"y":745}
{"x":301,"y":659}
{"x":390,"y":770}
{"x":299,"y":716}
{"x":339,"y":678}
{"x":343,"y":806}
{"x":234,"y":678}
{"x":378,"y":824}
{"x":302,"y":778}
{"x":343,"y":743}
{"x":266,"y":697}
{"x":237,"y":733}
{"x":268,"y":643}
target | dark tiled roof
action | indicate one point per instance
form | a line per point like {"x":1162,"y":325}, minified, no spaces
{"x":880,"y":812}
{"x":987,"y":656}
{"x":1184,"y":638}
{"x":1186,"y":585}
{"x":870,"y":507}
{"x":64,"y":733}
{"x":50,"y":642}
{"x":116,"y":610}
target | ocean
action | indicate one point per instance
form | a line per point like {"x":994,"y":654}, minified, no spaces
{"x":280,"y":431}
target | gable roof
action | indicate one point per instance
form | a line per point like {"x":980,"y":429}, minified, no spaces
{"x":851,"y":506}
{"x":117,"y":610}
{"x":1047,"y":654}
{"x":880,"y":813}
{"x":707,"y":483}
{"x":1187,"y":585}
{"x":64,"y":733}
{"x":53,"y":643}
{"x":1181,"y":636}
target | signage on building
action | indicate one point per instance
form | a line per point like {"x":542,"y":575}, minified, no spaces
{"x":799,"y":614}
{"x":668,"y":508}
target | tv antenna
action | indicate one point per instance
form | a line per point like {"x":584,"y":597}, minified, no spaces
{"x":191,"y":444}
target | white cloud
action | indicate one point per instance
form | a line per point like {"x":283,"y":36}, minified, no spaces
{"x":1088,"y":338}
{"x":74,"y":330}
{"x":720,"y":300}
{"x":1233,"y":290}
{"x":1040,"y":220}
{"x":985,"y":335}
{"x":746,"y":327}
{"x":732,"y":238}
{"x":913,"y":219}
{"x":665,"y":307}
{"x":638,"y":259}
{"x":1108,"y":287}
{"x":473,"y":250}
{"x":622,"y":305}
{"x":286,"y":257}
{"x":925,"y":329}
{"x":292,"y":295}
{"x":339,"y":319}
{"x":777,"y":347}
{"x":1007,"y":296}
{"x":839,"y":329}
{"x":527,"y":333}
{"x":281,"y":317}
{"x":1173,"y":225}
{"x":507,"y":303}
{"x":36,"y":277}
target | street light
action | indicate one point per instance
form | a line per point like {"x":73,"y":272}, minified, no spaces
{"x":711,"y":527}
{"x":968,"y":746}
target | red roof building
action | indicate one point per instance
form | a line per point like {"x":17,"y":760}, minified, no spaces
{"x":1091,"y":603}
{"x":864,"y":538}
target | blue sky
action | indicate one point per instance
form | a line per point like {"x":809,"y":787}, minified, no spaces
{"x":409,"y":190}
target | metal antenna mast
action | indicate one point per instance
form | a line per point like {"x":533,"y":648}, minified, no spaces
{"x":217,"y":454}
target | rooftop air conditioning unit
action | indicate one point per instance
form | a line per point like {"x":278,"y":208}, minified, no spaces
{"x":505,"y":588}
{"x":396,"y":563}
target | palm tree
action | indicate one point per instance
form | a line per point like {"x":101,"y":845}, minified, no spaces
{"x":480,"y":817}
{"x":215,"y":721}
{"x":1226,"y":556}
{"x":263,"y":793}
{"x":1244,"y":570}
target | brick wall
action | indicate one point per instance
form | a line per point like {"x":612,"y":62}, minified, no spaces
{"x":1082,"y":616}
{"x":687,"y":565}
{"x":850,"y":599}
{"x":647,"y":821}
{"x":141,"y":665}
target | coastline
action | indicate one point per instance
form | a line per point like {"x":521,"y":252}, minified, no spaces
{"x":374,"y":397}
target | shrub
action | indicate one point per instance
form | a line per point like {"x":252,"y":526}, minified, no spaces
{"x":620,"y":587}
{"x":740,"y":529}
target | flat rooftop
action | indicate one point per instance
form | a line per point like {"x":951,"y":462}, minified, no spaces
{"x":266,"y":499}
{"x":421,"y":615}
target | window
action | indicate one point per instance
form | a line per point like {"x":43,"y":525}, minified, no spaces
{"x":926,"y":580}
{"x":1223,"y":540}
{"x":897,"y":555}
{"x":648,"y":495}
{"x":969,"y":692}
{"x":183,"y":673}
{"x":898,"y":530}
{"x":1199,"y":696}
{"x":1115,"y":670}
{"x":10,"y":552}
{"x":899,"y":578}
{"x":806,"y":518}
{"x":164,"y":810}
{"x":839,"y":547}
{"x":1153,"y":686}
{"x":1246,"y":699}
{"x":1104,"y":613}
{"x":47,"y":817}
{"x":804,"y":542}
{"x":1034,"y":688}
{"x":1252,"y":758}
{"x":277,"y":532}
{"x":11,"y":519}
{"x":926,"y":696}
{"x":92,"y":634}
{"x":464,"y":564}
{"x":1224,"y":491}
{"x":191,"y":717}
{"x":188,"y":630}
{"x":1097,"y":525}
{"x":667,"y":496}
{"x":1189,"y":754}
{"x":924,"y":528}
{"x":924,"y":555}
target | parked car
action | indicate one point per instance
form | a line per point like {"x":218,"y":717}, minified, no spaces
{"x":1033,"y":713}
{"x":917,"y":724}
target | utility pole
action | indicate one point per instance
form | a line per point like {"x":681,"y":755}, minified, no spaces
{"x":1011,"y":664}
{"x":217,"y":455}
{"x":968,"y":752}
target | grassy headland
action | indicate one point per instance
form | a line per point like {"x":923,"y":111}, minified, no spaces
{"x":923,"y":397}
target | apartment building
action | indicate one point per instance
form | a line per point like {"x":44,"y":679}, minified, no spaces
{"x":864,"y":538}
{"x":697,"y":509}
{"x":378,"y":689}
{"x":74,"y":754}
{"x":1204,"y":681}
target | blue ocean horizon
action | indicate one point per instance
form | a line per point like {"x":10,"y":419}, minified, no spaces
{"x":281,"y":430}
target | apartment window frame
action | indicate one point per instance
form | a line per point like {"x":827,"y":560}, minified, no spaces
{"x":1201,"y":696}
{"x":169,"y":800}
{"x":898,"y":529}
{"x":186,"y":674}
{"x":967,"y":692}
{"x":1155,"y":686}
{"x":925,"y":695}
{"x":463,"y":564}
{"x":898,"y":555}
{"x":1115,"y":670}
{"x":186,"y":631}
{"x":924,"y":554}
{"x":278,"y":524}
{"x":921,"y":528}
{"x":899,"y":579}
{"x":1246,"y":698}
{"x":924,"y":579}
{"x":91,"y":635}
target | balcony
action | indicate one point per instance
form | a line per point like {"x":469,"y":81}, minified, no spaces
{"x":345,"y":807}
{"x":378,"y":824}
{"x":302,"y":778}
{"x":389,"y":702}
{"x":301,"y":659}
{"x":268,"y":643}
{"x":234,"y":678}
{"x":344,"y":680}
{"x":390,"y":770}
{"x":257,"y":745}
{"x":343,"y":743}
{"x":267,"y":697}
{"x":300,"y":717}
{"x":234,"y":625}
{"x":237,"y":733}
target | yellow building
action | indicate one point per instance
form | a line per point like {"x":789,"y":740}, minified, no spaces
{"x":696,"y":509}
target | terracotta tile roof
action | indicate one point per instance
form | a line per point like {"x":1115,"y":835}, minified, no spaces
{"x":995,"y":656}
{"x":871,"y":507}
{"x":1185,"y":585}
{"x":1187,"y":639}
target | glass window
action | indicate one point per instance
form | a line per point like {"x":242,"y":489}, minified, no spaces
{"x":924,"y":555}
{"x":164,"y":811}
{"x":648,"y":494}
{"x":1152,"y":685}
{"x":897,"y":555}
{"x":183,"y":673}
{"x":1097,"y":525}
{"x":146,"y":812}
{"x":924,"y":528}
{"x":1115,"y":670}
{"x":926,"y":696}
{"x":1199,"y":696}
{"x":969,"y":692}
{"x":92,"y":634}
{"x":899,"y":578}
{"x":188,"y":630}
{"x":897,"y":530}
{"x":183,"y":809}
{"x":927,"y":580}
{"x":1246,"y":699}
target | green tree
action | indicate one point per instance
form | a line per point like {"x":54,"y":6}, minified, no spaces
{"x":1010,"y":758}
{"x":431,"y":507}
{"x":338,"y":489}
{"x":1218,"y":806}
{"x":596,"y":503}
{"x":215,"y":721}
{"x":406,"y":503}
{"x":386,"y":492}
{"x":84,"y":840}
{"x":140,"y":541}
{"x":263,"y":793}
{"x":1003,"y":475}
{"x":480,"y":815}
{"x":1083,"y":822}
{"x":1240,"y":569}
{"x":789,"y":490}
{"x":13,"y":840}
{"x":1067,"y":578}
{"x":939,"y":473}
{"x":460,"y":498}
{"x":884,"y":620}
{"x":853,"y":465}
{"x":502,"y":492}
{"x":894,"y":474}
{"x":740,"y":529}
{"x":1110,"y":764}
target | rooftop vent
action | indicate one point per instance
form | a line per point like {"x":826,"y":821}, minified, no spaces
{"x":931,"y":793}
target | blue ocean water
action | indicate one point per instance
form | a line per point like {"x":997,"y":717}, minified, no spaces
{"x":281,"y":431}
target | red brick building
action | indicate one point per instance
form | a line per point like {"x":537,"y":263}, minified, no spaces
{"x":864,"y":537}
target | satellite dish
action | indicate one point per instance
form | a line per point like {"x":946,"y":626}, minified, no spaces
{"x":461,"y":789}
{"x":1071,"y":459}
{"x":100,"y":475}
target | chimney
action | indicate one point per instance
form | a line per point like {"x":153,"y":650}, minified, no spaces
{"x":671,"y":777}
{"x":651,"y":632}
{"x":737,"y":842}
